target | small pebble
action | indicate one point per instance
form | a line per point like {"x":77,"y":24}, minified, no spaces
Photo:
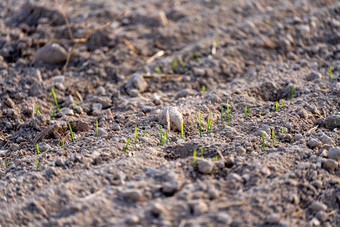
{"x":313,"y":143}
{"x":51,"y":54}
{"x":329,"y":164}
{"x":169,"y":188}
{"x":175,"y":118}
{"x":199,"y":207}
{"x":334,"y":153}
{"x":132,"y":194}
{"x":273,"y":219}
{"x":318,"y":206}
{"x":204,"y":166}
{"x":224,"y":218}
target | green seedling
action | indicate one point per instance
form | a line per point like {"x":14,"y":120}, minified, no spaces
{"x":217,"y":42}
{"x":53,"y":113}
{"x":203,"y":90}
{"x":282,"y":103}
{"x":245,"y":111}
{"x":182,"y":130}
{"x":166,"y":138}
{"x":174,"y":66}
{"x":126,"y":145}
{"x":69,"y":126}
{"x":59,"y":146}
{"x":38,"y":152}
{"x":216,"y":157}
{"x":291,"y":94}
{"x":276,"y":106}
{"x":201,"y":152}
{"x":273,"y":137}
{"x":63,"y":143}
{"x":222,"y":114}
{"x":161,"y":133}
{"x":163,"y":140}
{"x":194,"y":159}
{"x":135,"y":137}
{"x":196,"y":57}
{"x":37,"y":166}
{"x":158,"y":69}
{"x":208,"y":123}
{"x":6,"y":163}
{"x":281,"y":130}
{"x":199,"y":123}
{"x":181,"y":62}
{"x":330,"y":74}
{"x":55,"y":100}
{"x":75,"y":105}
{"x":97,"y":133}
{"x":144,"y":133}
{"x":228,"y":119}
{"x":37,"y":112}
{"x":263,"y":142}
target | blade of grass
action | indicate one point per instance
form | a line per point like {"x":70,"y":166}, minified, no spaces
{"x":181,"y":62}
{"x":161,"y":133}
{"x":69,"y":126}
{"x":203,"y":90}
{"x":174,"y":66}
{"x":37,"y":166}
{"x":144,"y":133}
{"x":75,"y":105}
{"x":245,"y":111}
{"x":196,"y":57}
{"x":281,"y":102}
{"x":126,"y":145}
{"x":216,"y":157}
{"x":53,"y":113}
{"x":281,"y":130}
{"x":38,"y":152}
{"x":37,"y":110}
{"x":158,"y":69}
{"x":166,"y":138}
{"x":273,"y":137}
{"x":97,"y":133}
{"x":208,"y":123}
{"x":201,"y":152}
{"x":276,"y":106}
{"x":55,"y":99}
{"x":194,"y":159}
{"x":182,"y":130}
{"x":330,"y":74}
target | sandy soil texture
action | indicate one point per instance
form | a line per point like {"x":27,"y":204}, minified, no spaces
{"x":263,"y":75}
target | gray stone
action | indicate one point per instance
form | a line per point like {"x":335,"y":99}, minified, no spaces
{"x":80,"y":126}
{"x":51,"y":54}
{"x":60,"y":162}
{"x":136,"y":82}
{"x":115,"y":127}
{"x":322,"y":216}
{"x":133,"y":92}
{"x":204,"y":166}
{"x":313,"y":143}
{"x":132,"y":194}
{"x":171,"y":116}
{"x":329,"y":164}
{"x":67,"y":111}
{"x":314,"y":76}
{"x":273,"y":219}
{"x":318,"y":206}
{"x":224,"y":218}
{"x":58,"y":79}
{"x":170,"y":188}
{"x":199,"y":207}
{"x":97,"y":106}
{"x":157,"y":209}
{"x":199,"y":72}
{"x":334,"y":153}
{"x":326,"y":139}
{"x":147,"y":109}
{"x":332,"y":121}
{"x":102,"y":132}
{"x":133,"y":220}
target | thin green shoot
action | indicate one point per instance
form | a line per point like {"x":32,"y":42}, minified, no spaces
{"x":282,"y":103}
{"x":228,"y":119}
{"x":182,"y":130}
{"x":75,"y":105}
{"x":166,"y":138}
{"x":281,"y":130}
{"x":216,"y":157}
{"x":59,"y":146}
{"x":163,"y":140}
{"x":174,"y":66}
{"x":63,"y":143}
{"x":245,"y":111}
{"x":38,"y":152}
{"x":37,"y":166}
{"x":203,"y":90}
{"x":263,"y":142}
{"x":208,"y":124}
{"x":222,"y":114}
{"x":276,"y":106}
{"x":194,"y":159}
{"x":201,"y":152}
{"x":199,"y":123}
{"x":126,"y":145}
{"x":97,"y":131}
{"x":53,"y":113}
{"x":135,"y":138}
{"x":144,"y":133}
{"x":330,"y":74}
{"x":217,"y":42}
{"x":55,"y":100}
{"x":158,"y":69}
{"x":37,"y":112}
{"x":6,"y":163}
{"x":291,"y":94}
{"x":196,"y":57}
{"x":273,"y":137}
{"x":160,"y":133}
{"x":180,"y":59}
{"x":69,"y":126}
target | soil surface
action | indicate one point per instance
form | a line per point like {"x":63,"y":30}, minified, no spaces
{"x":277,"y":163}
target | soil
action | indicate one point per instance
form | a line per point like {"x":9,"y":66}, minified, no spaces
{"x":254,"y":54}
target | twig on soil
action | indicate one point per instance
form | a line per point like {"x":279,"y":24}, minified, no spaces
{"x":312,"y":130}
{"x":153,"y":57}
{"x":164,"y":76}
{"x":131,"y":46}
{"x":221,"y":155}
{"x":79,"y":41}
{"x":231,"y":204}
{"x":3,"y":138}
{"x":44,"y":133}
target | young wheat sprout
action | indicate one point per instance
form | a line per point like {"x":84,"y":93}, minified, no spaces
{"x":263,"y":142}
{"x":126,"y":145}
{"x":203,"y":90}
{"x":55,"y":100}
{"x":69,"y":126}
{"x":273,"y":137}
{"x":330,"y":74}
{"x":181,"y":130}
{"x":194,"y":159}
{"x":38,"y":152}
{"x":245,"y":111}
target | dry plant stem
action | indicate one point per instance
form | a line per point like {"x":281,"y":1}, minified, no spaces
{"x":131,"y":46}
{"x":83,"y":40}
{"x":44,"y":133}
{"x":231,"y":204}
{"x":3,"y":138}
{"x":221,"y":155}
